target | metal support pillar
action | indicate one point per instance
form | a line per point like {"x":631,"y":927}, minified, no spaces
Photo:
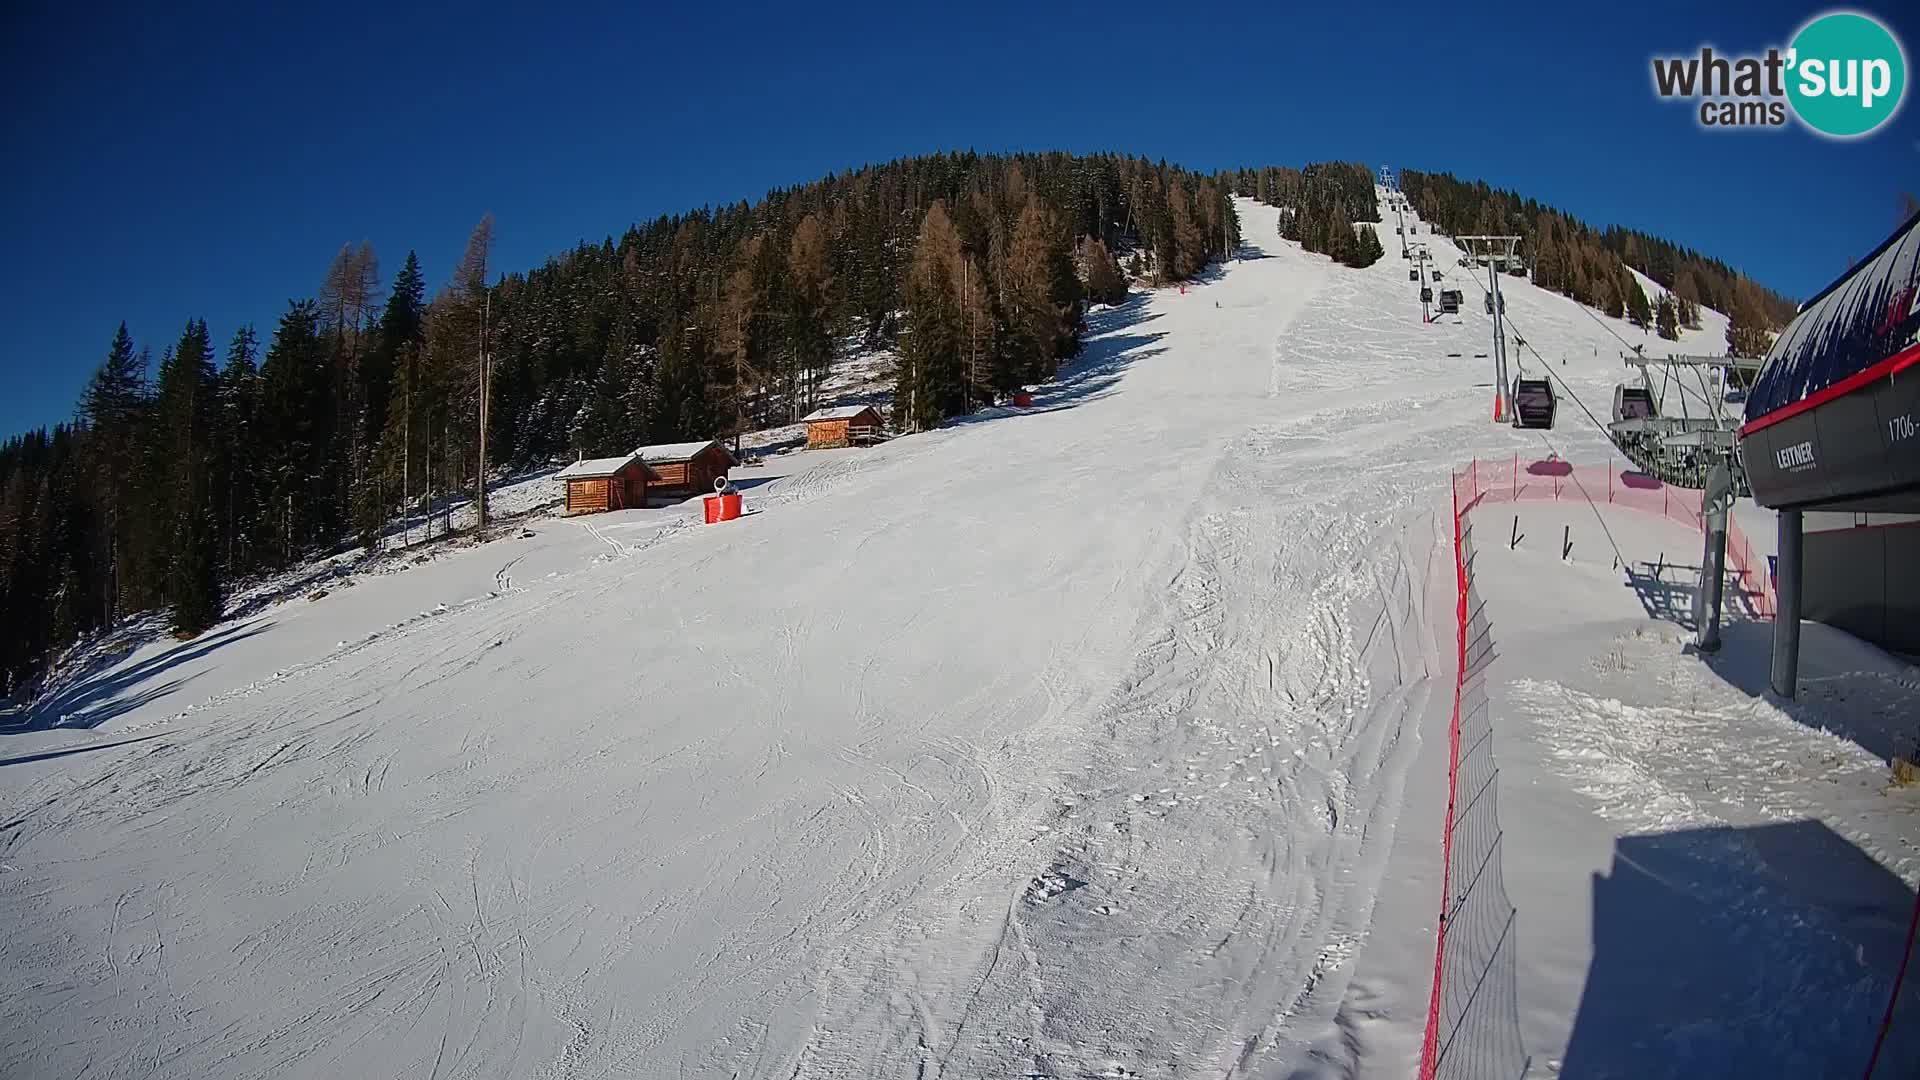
{"x":1713,"y":574}
{"x":1786,"y":618}
{"x":1499,"y":338}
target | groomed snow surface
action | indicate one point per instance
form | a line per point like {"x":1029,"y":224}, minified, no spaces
{"x":1101,"y":738}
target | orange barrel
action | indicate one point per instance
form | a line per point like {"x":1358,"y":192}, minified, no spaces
{"x":729,"y":506}
{"x":713,"y":509}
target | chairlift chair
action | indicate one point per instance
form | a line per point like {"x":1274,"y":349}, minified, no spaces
{"x":1413,"y":275}
{"x":1426,"y":295}
{"x":1488,"y":301}
{"x":1450,"y":301}
{"x":1533,"y":403}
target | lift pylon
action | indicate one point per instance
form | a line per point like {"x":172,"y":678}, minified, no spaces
{"x":1498,"y":249}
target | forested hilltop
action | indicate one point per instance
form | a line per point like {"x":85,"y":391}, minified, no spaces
{"x":224,"y":461}
{"x":1589,"y":264}
{"x":217,"y":464}
{"x":1319,"y":206}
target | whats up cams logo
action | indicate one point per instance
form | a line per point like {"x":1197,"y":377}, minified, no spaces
{"x":1843,"y":76}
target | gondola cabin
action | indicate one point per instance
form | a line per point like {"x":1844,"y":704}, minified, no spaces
{"x":1633,"y":403}
{"x":1450,"y":301}
{"x":847,"y":425}
{"x":1426,"y":295}
{"x":1533,"y":403}
{"x":596,"y":485}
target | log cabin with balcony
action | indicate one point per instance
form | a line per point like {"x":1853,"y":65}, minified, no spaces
{"x":847,"y":425}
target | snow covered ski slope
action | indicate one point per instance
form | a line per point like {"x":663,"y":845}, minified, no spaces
{"x":1061,"y":742}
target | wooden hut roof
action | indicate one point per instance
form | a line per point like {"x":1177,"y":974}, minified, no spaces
{"x":842,"y":412}
{"x":595,"y":468}
{"x":669,"y":453}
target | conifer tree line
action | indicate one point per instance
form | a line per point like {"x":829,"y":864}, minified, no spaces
{"x":1590,"y":265}
{"x":358,"y":407}
{"x":1324,"y":207}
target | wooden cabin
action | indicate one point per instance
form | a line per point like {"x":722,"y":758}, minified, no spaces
{"x":681,"y":470}
{"x":847,"y":425}
{"x":596,"y":485}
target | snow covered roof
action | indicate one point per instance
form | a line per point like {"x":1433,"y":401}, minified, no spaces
{"x":670,"y":452}
{"x":592,"y":468}
{"x":843,"y":412}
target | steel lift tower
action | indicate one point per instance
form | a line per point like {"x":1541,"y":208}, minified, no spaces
{"x":1498,"y":250}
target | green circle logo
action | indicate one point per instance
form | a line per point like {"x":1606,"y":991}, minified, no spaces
{"x":1846,"y":74}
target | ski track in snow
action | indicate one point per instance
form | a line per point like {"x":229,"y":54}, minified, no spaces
{"x":1056,"y":743}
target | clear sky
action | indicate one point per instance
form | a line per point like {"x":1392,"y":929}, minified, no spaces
{"x":166,"y":161}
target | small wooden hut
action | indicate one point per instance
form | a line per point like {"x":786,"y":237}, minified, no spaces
{"x":847,"y":425}
{"x":684,"y":469}
{"x":596,"y":485}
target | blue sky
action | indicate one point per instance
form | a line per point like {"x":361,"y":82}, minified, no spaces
{"x":173,"y":161}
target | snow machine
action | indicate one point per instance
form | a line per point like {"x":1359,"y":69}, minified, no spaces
{"x":1633,"y":403}
{"x":1533,"y":403}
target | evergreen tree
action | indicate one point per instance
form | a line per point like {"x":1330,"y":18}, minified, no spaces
{"x":185,"y":405}
{"x":1042,"y":295}
{"x":1666,"y":318}
{"x":237,"y":450}
{"x":1638,"y":310}
{"x":928,"y":384}
{"x":1337,"y":234}
{"x":745,"y":336}
{"x":809,"y":336}
{"x":1188,"y":244}
{"x":1105,"y":283}
{"x":114,"y":409}
{"x":1366,"y":247}
{"x":294,"y":440}
{"x":400,"y":326}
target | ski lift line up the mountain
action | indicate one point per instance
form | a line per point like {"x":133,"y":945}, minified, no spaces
{"x":1521,"y":338}
{"x":1505,"y":246}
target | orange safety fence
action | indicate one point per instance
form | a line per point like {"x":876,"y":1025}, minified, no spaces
{"x":1615,"y":484}
{"x":1472,"y":1028}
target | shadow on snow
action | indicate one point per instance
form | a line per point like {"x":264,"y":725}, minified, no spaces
{"x":102,"y":690}
{"x":1107,"y":353}
{"x":1765,"y":950}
